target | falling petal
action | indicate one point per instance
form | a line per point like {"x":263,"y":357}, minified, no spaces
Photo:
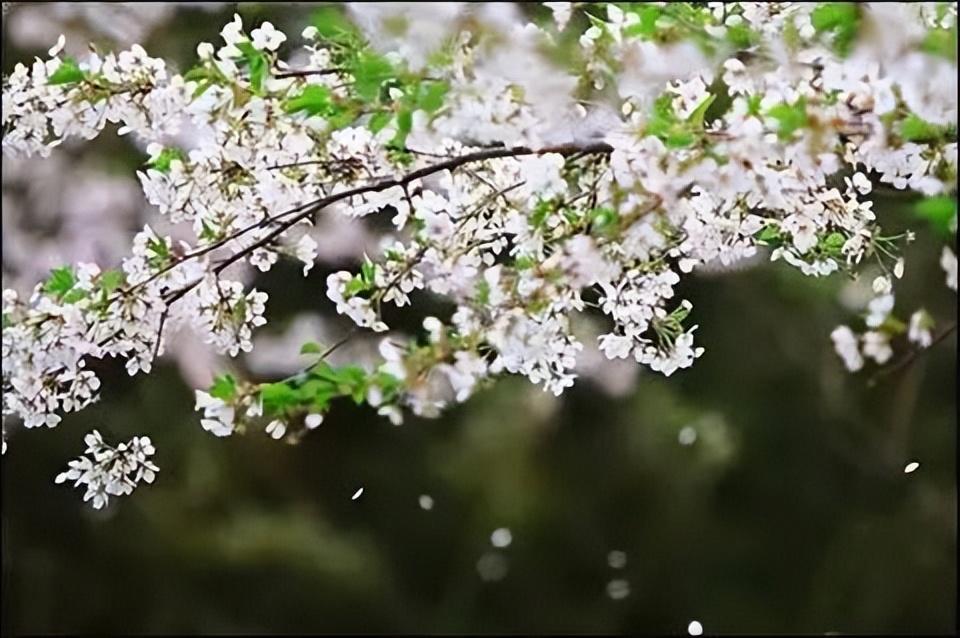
{"x":618,"y":589}
{"x":501,"y":537}
{"x":617,"y":559}
{"x":911,"y":467}
{"x":694,"y":628}
{"x":357,"y":494}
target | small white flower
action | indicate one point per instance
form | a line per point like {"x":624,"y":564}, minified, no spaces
{"x":501,"y":537}
{"x":882,"y":285}
{"x":561,"y":12}
{"x":267,"y":38}
{"x":204,"y":50}
{"x":948,"y":261}
{"x":276,"y":429}
{"x":878,"y":309}
{"x":58,"y":47}
{"x":898,"y":268}
{"x":107,"y":471}
{"x":919,"y":332}
{"x":617,"y":559}
{"x":876,"y":345}
{"x":847,"y":346}
{"x":618,"y":588}
{"x":306,"y":251}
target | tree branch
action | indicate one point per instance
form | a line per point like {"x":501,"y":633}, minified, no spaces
{"x":910,"y":358}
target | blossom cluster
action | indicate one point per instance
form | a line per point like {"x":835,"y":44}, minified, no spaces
{"x":107,"y":471}
{"x":526,"y":192}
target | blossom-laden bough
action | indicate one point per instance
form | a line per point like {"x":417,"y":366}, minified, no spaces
{"x":532,"y":171}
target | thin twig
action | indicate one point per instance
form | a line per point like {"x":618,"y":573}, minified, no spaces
{"x":301,"y":73}
{"x":910,"y":358}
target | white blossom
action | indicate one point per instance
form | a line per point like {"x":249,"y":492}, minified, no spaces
{"x":847,"y":345}
{"x":107,"y":471}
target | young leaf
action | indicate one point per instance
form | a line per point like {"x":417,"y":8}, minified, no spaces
{"x":258,"y":64}
{"x":369,"y":72}
{"x":379,"y":120}
{"x":404,"y":124}
{"x":60,"y":282}
{"x":277,"y":397}
{"x":842,"y":19}
{"x":164,"y":159}
{"x":791,"y":117}
{"x":916,"y":129}
{"x":939,"y":211}
{"x":67,"y":73}
{"x":224,"y":387}
{"x":311,"y":347}
{"x":110,"y":280}
{"x":696,"y":118}
{"x":332,"y":25}
{"x":314,"y":99}
{"x":430,"y":95}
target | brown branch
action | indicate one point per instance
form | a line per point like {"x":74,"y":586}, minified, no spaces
{"x":910,"y":358}
{"x":302,"y":73}
{"x":308,"y":209}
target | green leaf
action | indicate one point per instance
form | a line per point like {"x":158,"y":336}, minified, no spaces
{"x":258,"y":64}
{"x":741,"y":36}
{"x":202,"y":88}
{"x":369,"y":72}
{"x":368,"y":271}
{"x":832,"y":243}
{"x":916,"y":129}
{"x":482,"y":295}
{"x":679,"y":139}
{"x":67,"y":73}
{"x":646,"y":28}
{"x":696,"y":118}
{"x":165,"y":158}
{"x":769,"y":234}
{"x":75,"y":295}
{"x":842,"y":20}
{"x":603,"y":218}
{"x":524,"y":262}
{"x":314,"y":99}
{"x":430,"y":95}
{"x":158,"y":247}
{"x":196,"y":73}
{"x":404,"y":124}
{"x":379,"y":120}
{"x":540,"y":212}
{"x":940,"y":212}
{"x":942,"y":43}
{"x":311,"y":347}
{"x":791,"y":117}
{"x":110,"y":280}
{"x":224,"y":387}
{"x":355,"y":286}
{"x":317,"y":393}
{"x":60,"y":282}
{"x":332,"y":25}
{"x":665,"y":124}
{"x":277,"y":397}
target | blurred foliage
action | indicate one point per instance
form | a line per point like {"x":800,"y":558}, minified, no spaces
{"x":788,"y":513}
